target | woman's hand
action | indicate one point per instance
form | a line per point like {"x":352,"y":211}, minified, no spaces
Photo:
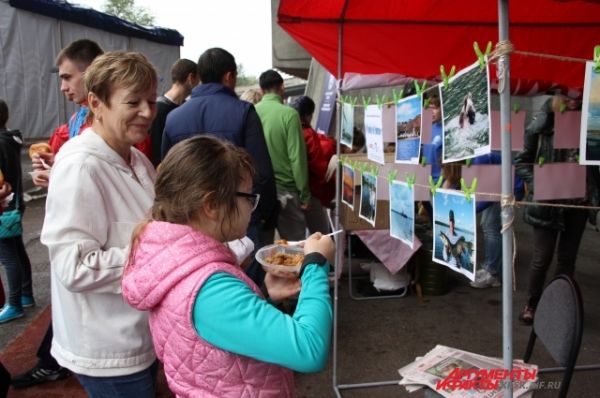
{"x":280,"y":288}
{"x":41,"y":178}
{"x":320,"y":244}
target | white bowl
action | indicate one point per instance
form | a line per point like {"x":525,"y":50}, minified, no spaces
{"x":275,"y":269}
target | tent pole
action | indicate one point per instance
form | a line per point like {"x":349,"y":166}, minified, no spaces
{"x":339,"y":251}
{"x":507,"y":192}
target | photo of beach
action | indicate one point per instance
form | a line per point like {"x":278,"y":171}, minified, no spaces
{"x":466,"y":115}
{"x":408,"y":128}
{"x":590,"y":118}
{"x":348,"y":185}
{"x":402,"y":212}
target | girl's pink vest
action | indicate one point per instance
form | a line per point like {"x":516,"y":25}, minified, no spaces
{"x":169,"y":267}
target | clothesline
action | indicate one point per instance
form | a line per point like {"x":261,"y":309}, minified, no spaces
{"x":502,"y":48}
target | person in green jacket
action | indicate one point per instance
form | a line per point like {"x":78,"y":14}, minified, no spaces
{"x":285,"y":141}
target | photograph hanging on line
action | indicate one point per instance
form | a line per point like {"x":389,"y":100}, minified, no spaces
{"x":402,"y":212}
{"x":466,"y":114}
{"x":368,"y":198}
{"x":589,"y":146}
{"x":348,"y":185}
{"x":454,"y":231}
{"x":408,"y":130}
{"x":347,"y":125}
{"x":374,"y":133}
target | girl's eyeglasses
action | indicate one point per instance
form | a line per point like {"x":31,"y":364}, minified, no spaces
{"x":253,"y":198}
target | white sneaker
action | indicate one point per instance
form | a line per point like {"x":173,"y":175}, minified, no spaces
{"x":483,"y":280}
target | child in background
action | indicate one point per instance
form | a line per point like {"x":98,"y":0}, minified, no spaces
{"x":212,"y":328}
{"x":12,"y":250}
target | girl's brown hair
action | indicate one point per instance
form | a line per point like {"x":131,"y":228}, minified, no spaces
{"x":202,"y":169}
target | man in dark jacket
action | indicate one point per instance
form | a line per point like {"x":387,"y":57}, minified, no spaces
{"x":215,"y":109}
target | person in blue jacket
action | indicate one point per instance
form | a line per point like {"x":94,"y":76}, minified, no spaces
{"x":490,"y":274}
{"x":215,"y":109}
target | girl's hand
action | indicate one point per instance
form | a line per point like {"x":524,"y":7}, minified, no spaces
{"x":321,"y":244}
{"x":280,"y":288}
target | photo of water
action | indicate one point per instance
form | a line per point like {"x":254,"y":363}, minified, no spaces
{"x":368,"y":198}
{"x":402,"y":212}
{"x":466,"y":115}
{"x":590,"y":125}
{"x":347,"y":125}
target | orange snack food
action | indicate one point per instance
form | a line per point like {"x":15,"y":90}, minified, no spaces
{"x":291,"y":260}
{"x":39,"y":147}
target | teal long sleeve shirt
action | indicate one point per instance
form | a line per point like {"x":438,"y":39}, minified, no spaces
{"x":285,"y":140}
{"x":230,"y":316}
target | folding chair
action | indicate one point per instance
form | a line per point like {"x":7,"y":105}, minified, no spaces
{"x":558,"y":323}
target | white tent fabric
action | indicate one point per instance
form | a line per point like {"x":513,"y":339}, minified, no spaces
{"x":29,"y":44}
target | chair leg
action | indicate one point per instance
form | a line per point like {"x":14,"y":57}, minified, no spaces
{"x":529,"y":349}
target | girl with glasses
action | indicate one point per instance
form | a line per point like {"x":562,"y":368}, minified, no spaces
{"x":212,"y":327}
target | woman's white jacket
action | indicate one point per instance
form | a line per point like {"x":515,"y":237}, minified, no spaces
{"x":94,"y":201}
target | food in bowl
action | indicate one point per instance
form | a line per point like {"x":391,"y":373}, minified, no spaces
{"x":287,"y":259}
{"x":281,"y":260}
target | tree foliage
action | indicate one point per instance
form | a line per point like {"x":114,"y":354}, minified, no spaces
{"x":127,"y":10}
{"x":243,"y":79}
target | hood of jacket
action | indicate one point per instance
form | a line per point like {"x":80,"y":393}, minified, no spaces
{"x":161,"y":259}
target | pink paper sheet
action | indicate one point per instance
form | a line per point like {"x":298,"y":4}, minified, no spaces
{"x":390,"y":251}
{"x":388,"y":119}
{"x":426,"y":120}
{"x":517,"y":123}
{"x":559,"y":181}
{"x":567,"y":126}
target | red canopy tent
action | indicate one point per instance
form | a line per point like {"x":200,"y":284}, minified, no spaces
{"x":414,"y":38}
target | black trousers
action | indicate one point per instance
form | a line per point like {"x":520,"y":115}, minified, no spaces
{"x":566,"y":245}
{"x":45,"y":359}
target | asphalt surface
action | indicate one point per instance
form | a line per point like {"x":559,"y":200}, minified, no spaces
{"x":377,"y":337}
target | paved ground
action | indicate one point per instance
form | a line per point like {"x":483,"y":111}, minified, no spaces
{"x":375,"y":337}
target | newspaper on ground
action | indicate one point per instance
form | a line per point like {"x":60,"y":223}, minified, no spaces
{"x":455,"y":373}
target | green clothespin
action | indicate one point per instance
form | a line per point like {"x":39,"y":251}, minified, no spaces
{"x":577,"y":158}
{"x":380,"y":100}
{"x":563,"y":107}
{"x":419,"y":89}
{"x":468,"y":190}
{"x":447,"y":77}
{"x":423,"y":160}
{"x":366,"y":101}
{"x":541,"y":161}
{"x":397,"y":96}
{"x":516,"y":107}
{"x":410,"y":179}
{"x":468,"y":162}
{"x":375,"y":170}
{"x":481,"y":57}
{"x":353,"y":100}
{"x":392,"y":176}
{"x":597,"y":59}
{"x":434,"y":186}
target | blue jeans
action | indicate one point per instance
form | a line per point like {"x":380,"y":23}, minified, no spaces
{"x":138,"y":385}
{"x":18,"y":269}
{"x":491,"y":225}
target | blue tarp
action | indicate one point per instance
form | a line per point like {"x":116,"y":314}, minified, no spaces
{"x":63,"y":10}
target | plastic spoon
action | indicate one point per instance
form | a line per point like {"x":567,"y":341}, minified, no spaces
{"x":299,"y":242}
